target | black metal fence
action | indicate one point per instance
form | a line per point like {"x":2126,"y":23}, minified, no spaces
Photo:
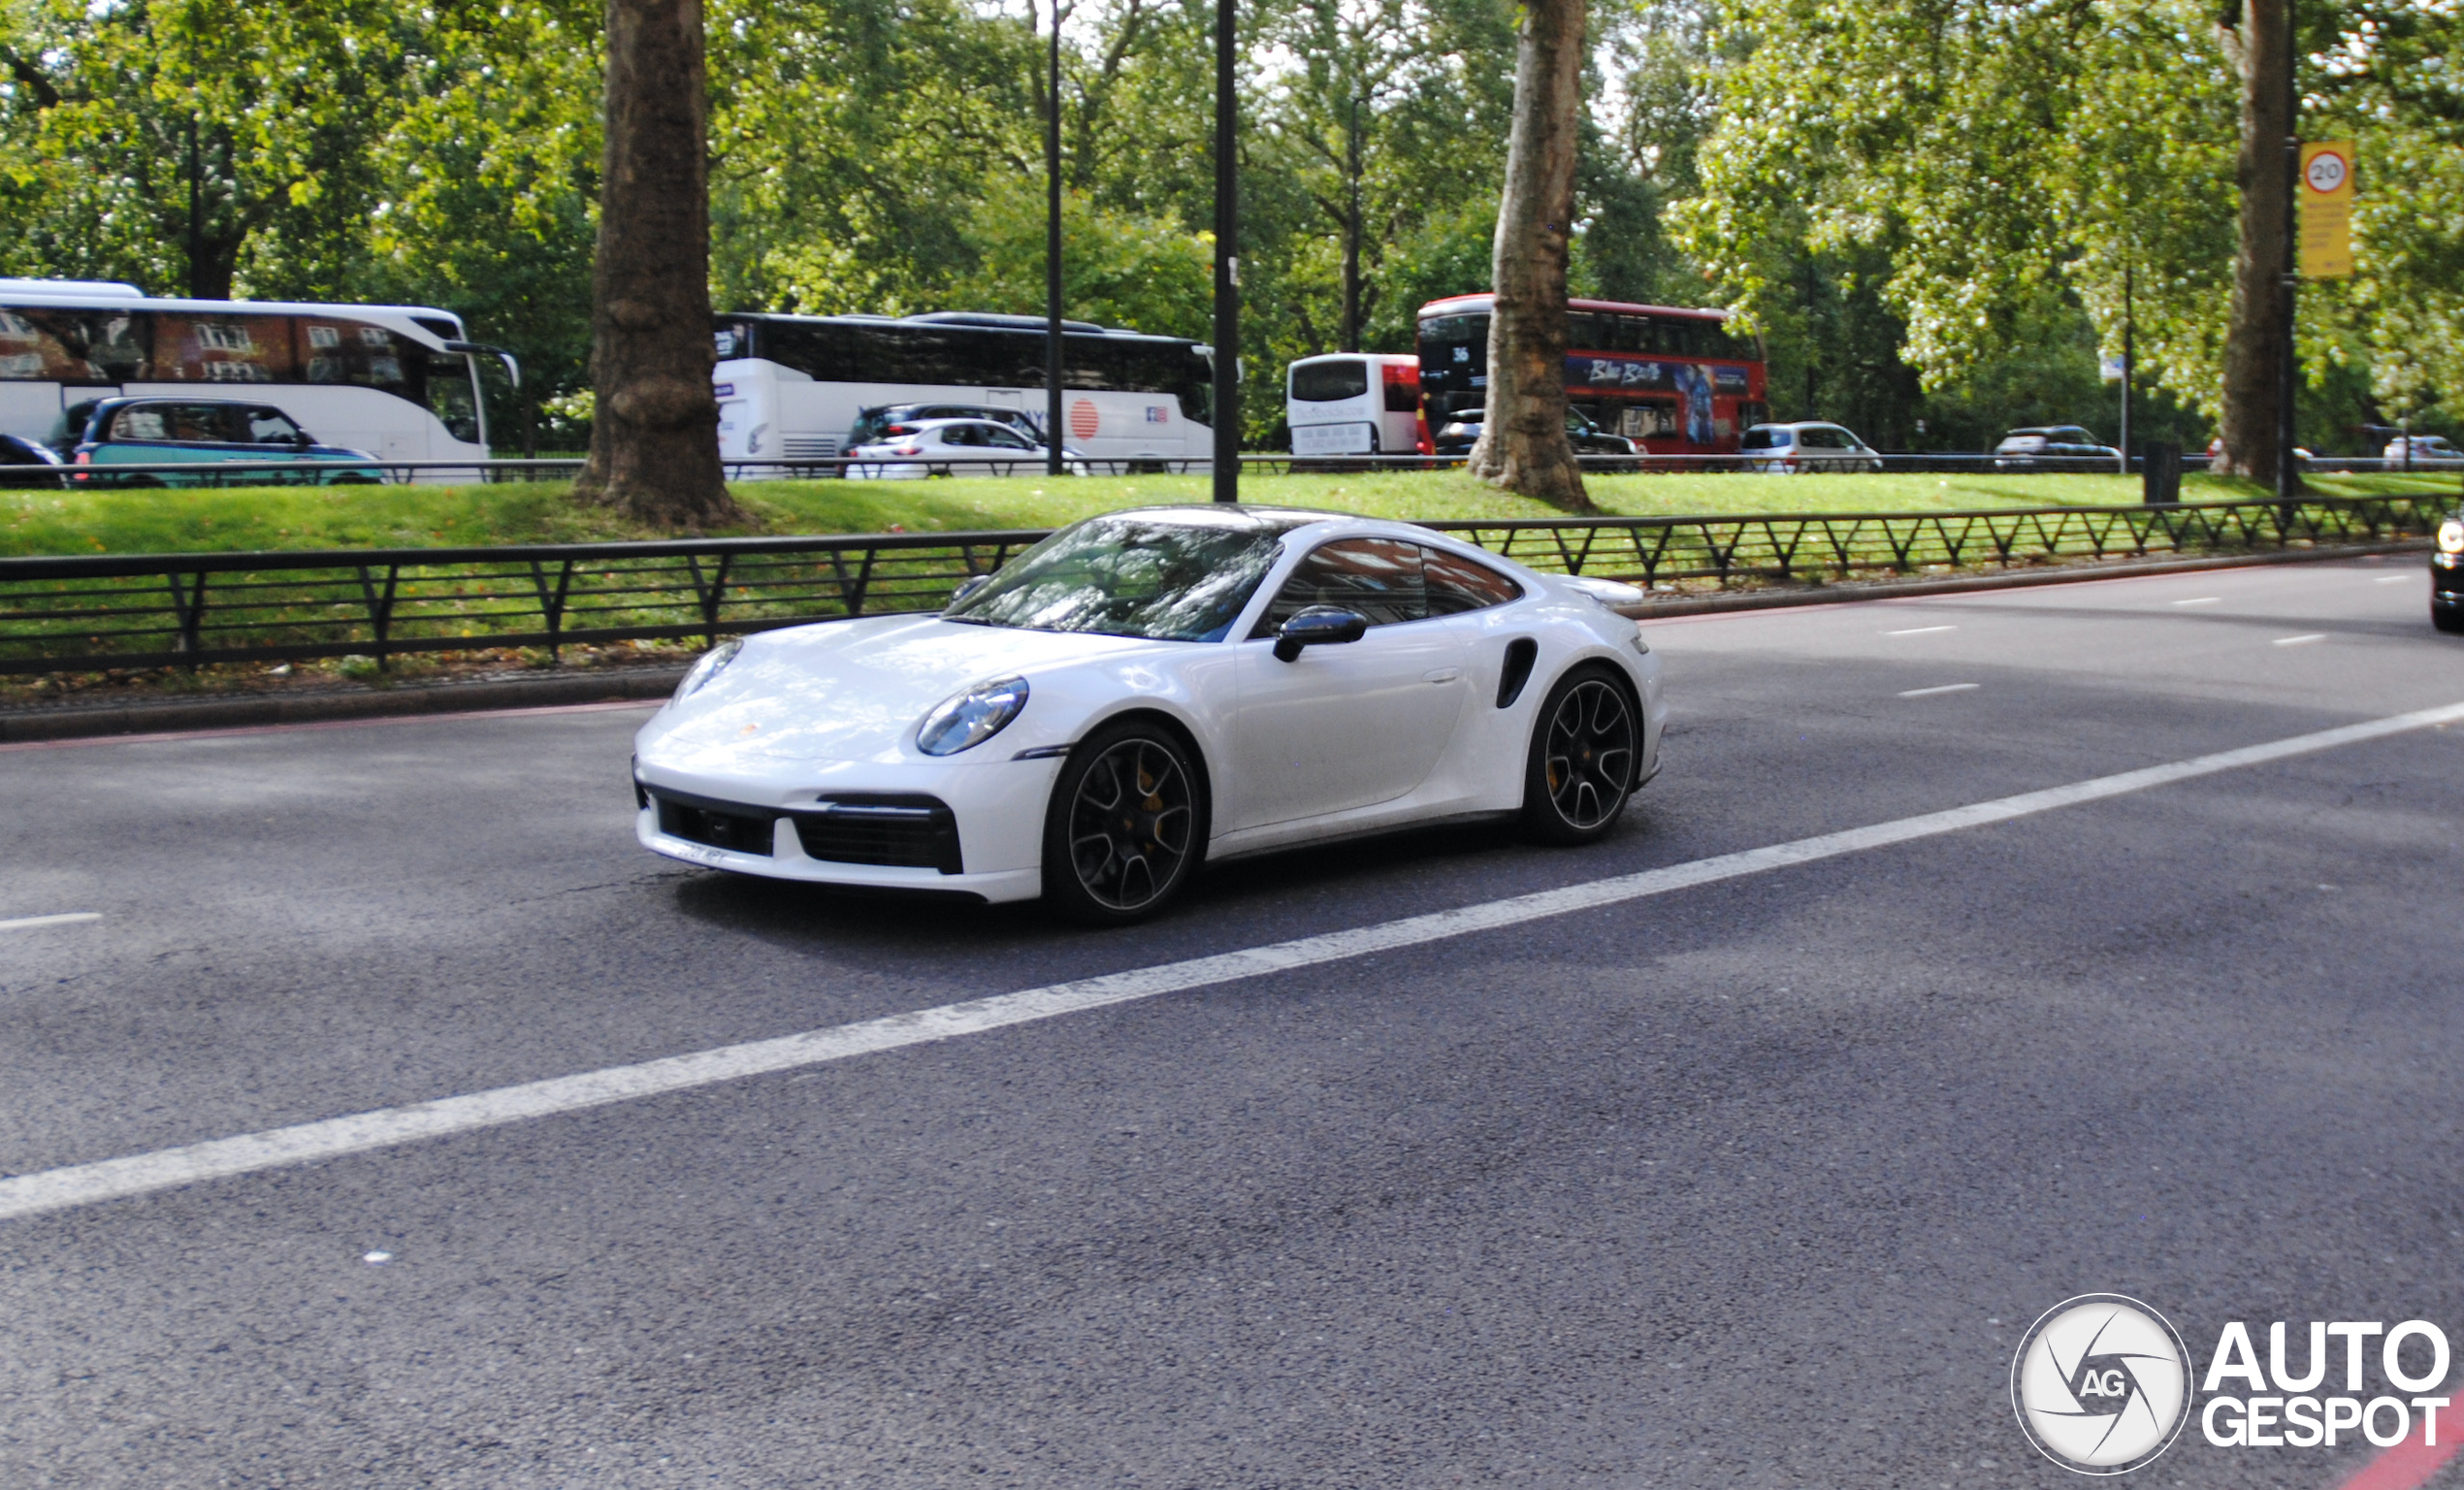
{"x":153,"y":610}
{"x":371,"y":471}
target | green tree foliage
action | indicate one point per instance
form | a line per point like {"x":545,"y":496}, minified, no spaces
{"x":1994,"y":161}
{"x":1930,"y":207}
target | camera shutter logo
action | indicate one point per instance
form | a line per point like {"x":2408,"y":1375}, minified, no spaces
{"x":2101,"y":1383}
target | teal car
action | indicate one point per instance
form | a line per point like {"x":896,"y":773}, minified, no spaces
{"x":204,"y":433}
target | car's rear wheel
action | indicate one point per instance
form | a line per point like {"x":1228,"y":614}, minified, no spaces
{"x":1586,"y":748}
{"x":1124,"y":831}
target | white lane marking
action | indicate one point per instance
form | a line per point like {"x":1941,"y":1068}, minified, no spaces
{"x":1946,"y":688}
{"x":2204,"y":599}
{"x":138,"y":1174}
{"x":65,"y":918}
{"x":2393,"y":579}
{"x":1919,"y":630}
{"x":2299,"y":642}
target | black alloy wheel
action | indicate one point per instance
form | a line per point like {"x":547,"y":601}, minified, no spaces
{"x":1585,"y":749}
{"x":1125,"y":827}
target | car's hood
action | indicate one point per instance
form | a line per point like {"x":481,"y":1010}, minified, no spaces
{"x":852,"y":690}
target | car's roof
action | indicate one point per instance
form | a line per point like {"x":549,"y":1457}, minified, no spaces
{"x":1799,"y":424}
{"x":952,"y":421}
{"x":179,"y":398}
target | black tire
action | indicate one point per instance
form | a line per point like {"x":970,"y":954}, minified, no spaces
{"x":2448,"y":618}
{"x":1586,"y":751}
{"x":1125,"y":826}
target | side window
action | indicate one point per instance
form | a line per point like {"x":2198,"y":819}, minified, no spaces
{"x":202,"y":423}
{"x":1456,"y":584}
{"x":271,"y":427}
{"x":1005,"y":440}
{"x":144,"y":422}
{"x":962,"y":435}
{"x":1377,"y":577}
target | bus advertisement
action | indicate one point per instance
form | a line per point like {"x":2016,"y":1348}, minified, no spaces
{"x":397,"y":382}
{"x":792,"y":387}
{"x":1673,"y":380}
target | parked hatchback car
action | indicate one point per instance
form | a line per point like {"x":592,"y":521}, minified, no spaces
{"x":1806,"y":448}
{"x":953,"y":447}
{"x":1462,"y":432}
{"x":2054,"y":448}
{"x":27,"y":463}
{"x":889,"y":421}
{"x":204,"y":433}
{"x":2426,"y":449}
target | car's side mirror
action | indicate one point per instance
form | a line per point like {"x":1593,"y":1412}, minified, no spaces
{"x":969,"y":587}
{"x":1318,"y":626}
{"x":301,"y":440}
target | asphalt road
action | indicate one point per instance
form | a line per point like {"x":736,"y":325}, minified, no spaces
{"x":1755,"y":1184}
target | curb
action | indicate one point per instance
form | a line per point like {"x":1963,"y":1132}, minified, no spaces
{"x":71,"y":721}
{"x":2063,"y":574}
{"x":68,"y":721}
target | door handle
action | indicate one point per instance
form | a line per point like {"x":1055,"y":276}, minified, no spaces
{"x":1442,"y":674}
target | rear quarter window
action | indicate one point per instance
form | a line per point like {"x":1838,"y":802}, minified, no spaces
{"x":1325,"y":382}
{"x":1456,"y":584}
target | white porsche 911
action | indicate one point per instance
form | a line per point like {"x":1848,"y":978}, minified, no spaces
{"x":1146,"y":690}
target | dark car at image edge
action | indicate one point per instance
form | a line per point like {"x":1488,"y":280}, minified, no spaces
{"x":2446,"y":575}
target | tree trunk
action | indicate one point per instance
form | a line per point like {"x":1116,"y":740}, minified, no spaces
{"x":1523,"y":445}
{"x":2253,"y":340}
{"x":1353,"y":229}
{"x":655,"y":442}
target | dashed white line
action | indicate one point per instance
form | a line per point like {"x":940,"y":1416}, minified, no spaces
{"x":2303,"y":640}
{"x":2393,"y":579}
{"x":57,"y":1189}
{"x":2204,"y":599}
{"x":1919,"y":630}
{"x":1946,"y":688}
{"x":64,"y":918}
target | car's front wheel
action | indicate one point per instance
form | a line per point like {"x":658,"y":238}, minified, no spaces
{"x":2446,"y":618}
{"x":1586,"y":749}
{"x":1124,"y":831}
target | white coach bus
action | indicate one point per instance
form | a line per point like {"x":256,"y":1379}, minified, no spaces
{"x":396,"y":381}
{"x":1355,"y":404}
{"x":792,"y":387}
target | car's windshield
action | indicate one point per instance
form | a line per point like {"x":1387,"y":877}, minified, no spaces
{"x":1184,"y":578}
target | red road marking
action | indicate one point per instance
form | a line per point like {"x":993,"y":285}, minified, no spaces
{"x":2411,"y":1463}
{"x":440,"y":716}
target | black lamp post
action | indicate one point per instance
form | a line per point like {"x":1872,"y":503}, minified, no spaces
{"x":2288,"y":362}
{"x":1052,"y":462}
{"x":1227,"y":265}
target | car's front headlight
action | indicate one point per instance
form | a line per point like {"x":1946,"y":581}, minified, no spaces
{"x":2452,"y":536}
{"x":707,"y":668}
{"x":971,"y":718}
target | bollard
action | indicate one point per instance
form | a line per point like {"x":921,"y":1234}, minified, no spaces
{"x":2160,"y":472}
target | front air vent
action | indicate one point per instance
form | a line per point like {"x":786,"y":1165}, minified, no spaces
{"x":729,"y":826}
{"x":906,"y":829}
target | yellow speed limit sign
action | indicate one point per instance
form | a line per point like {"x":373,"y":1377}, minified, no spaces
{"x":2326,"y":208}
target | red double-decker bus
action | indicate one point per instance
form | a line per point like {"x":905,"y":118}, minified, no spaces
{"x":1673,"y":381}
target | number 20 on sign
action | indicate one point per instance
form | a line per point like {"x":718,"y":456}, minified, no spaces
{"x":2326,"y":208}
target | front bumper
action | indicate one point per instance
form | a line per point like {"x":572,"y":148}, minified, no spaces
{"x":995,"y":810}
{"x":2446,"y":581}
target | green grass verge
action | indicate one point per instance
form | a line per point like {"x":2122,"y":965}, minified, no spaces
{"x":174,"y":521}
